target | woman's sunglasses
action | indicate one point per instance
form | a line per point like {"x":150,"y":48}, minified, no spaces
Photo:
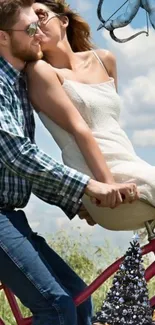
{"x":30,"y":30}
{"x":44,"y":16}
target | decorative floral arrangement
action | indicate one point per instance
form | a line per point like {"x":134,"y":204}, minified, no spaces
{"x":127,"y":302}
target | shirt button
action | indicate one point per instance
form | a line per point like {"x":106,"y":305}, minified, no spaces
{"x":74,"y":199}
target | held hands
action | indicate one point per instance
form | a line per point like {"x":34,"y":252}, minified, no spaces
{"x":111,"y":195}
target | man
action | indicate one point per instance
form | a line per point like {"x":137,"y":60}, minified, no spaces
{"x":34,"y":272}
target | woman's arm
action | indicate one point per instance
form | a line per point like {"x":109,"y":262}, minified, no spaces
{"x":47,"y":95}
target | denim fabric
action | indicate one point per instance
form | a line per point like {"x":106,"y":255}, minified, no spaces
{"x":38,"y":276}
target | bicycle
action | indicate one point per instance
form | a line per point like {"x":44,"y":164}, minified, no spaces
{"x":149,"y":273}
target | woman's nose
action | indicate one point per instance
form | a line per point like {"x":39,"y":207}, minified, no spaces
{"x":39,"y":34}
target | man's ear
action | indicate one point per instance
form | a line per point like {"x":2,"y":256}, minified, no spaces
{"x":4,"y":38}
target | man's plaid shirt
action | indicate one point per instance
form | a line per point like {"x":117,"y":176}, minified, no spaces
{"x":24,"y":168}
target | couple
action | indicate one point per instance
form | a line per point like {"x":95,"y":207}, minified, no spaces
{"x":74,"y":92}
{"x":34,"y":272}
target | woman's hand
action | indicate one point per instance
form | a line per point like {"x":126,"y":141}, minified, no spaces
{"x":129,"y":192}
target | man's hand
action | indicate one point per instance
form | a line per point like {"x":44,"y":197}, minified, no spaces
{"x":83,"y":214}
{"x":111,"y":195}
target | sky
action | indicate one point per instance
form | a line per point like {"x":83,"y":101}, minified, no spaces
{"x":136,"y":80}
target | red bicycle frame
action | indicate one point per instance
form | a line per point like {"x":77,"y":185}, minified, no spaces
{"x":149,"y":273}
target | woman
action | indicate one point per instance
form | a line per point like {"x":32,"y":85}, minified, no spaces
{"x":77,"y":79}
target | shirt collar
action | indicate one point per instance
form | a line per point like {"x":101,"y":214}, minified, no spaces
{"x":8,"y":71}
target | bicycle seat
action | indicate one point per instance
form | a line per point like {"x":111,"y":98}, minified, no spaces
{"x":124,"y":217}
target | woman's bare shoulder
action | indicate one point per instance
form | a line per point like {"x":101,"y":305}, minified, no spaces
{"x":39,"y":66}
{"x":42,"y":69}
{"x":109,"y":61}
{"x":106,"y":56}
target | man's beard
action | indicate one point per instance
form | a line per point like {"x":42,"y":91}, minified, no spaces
{"x":24,"y":54}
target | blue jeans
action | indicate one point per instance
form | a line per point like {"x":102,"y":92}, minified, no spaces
{"x":38,"y":276}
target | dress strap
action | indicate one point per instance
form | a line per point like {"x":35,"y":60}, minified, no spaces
{"x":98,"y":58}
{"x":102,"y":64}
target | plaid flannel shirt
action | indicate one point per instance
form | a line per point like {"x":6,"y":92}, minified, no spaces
{"x":24,"y":168}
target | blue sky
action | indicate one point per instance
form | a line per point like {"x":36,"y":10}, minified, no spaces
{"x":88,"y":11}
{"x":136,"y":76}
{"x":108,"y":8}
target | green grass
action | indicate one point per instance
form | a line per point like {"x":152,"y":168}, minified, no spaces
{"x":86,"y":260}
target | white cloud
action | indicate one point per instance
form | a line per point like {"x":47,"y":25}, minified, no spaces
{"x":83,"y":5}
{"x":136,"y":75}
{"x":34,"y":224}
{"x":62,"y":222}
{"x":144,"y":138}
{"x":143,"y":89}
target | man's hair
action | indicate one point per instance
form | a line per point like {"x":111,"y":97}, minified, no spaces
{"x":10,"y":10}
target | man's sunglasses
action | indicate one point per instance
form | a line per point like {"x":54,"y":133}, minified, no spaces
{"x":30,"y":30}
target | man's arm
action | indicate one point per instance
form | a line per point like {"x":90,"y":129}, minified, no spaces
{"x":51,"y":181}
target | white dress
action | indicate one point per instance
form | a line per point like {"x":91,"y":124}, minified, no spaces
{"x":99,"y":104}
